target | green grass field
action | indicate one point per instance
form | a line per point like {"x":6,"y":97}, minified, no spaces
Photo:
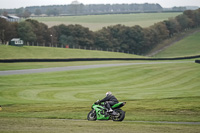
{"x":186,"y":47}
{"x":164,"y":92}
{"x":34,"y":52}
{"x":159,"y":92}
{"x":153,"y":92}
{"x":62,"y":126}
{"x":96,"y":22}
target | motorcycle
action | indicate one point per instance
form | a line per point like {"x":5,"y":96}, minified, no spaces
{"x":100,"y":112}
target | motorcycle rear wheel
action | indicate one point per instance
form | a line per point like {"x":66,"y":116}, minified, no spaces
{"x":92,"y":116}
{"x":121,"y":115}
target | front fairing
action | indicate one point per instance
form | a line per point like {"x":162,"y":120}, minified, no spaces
{"x":100,"y":112}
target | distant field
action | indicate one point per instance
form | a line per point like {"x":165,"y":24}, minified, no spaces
{"x":186,"y":47}
{"x":96,"y":22}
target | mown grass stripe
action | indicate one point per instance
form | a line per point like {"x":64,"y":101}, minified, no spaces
{"x":152,"y":92}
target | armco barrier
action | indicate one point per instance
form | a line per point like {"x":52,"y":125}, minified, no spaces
{"x":197,"y":61}
{"x":91,"y":59}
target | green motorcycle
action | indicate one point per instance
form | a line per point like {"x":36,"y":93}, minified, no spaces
{"x":100,"y":112}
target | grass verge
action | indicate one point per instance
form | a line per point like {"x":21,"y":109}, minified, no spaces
{"x":28,"y":125}
{"x":186,"y":46}
{"x":35,"y":52}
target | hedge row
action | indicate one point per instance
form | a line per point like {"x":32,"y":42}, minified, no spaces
{"x":94,"y":59}
{"x":197,"y":61}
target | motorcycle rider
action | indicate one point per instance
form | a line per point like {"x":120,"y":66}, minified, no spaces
{"x":109,"y":101}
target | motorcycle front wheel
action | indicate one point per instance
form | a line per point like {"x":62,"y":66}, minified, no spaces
{"x":92,"y":116}
{"x":120,"y":116}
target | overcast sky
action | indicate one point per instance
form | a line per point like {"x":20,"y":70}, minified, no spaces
{"x":5,"y":4}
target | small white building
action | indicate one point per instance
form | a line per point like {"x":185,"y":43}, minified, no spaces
{"x":16,"y":42}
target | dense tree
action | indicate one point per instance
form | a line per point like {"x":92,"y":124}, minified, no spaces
{"x":63,"y":40}
{"x":179,"y":8}
{"x":76,"y":34}
{"x":149,"y":38}
{"x":25,"y":32}
{"x":11,"y":31}
{"x":82,"y":35}
{"x":78,"y":9}
{"x":172,"y":26}
{"x":3,"y":29}
{"x":138,"y":38}
{"x":109,"y":37}
{"x":183,"y":21}
{"x":54,"y":12}
{"x":194,"y":17}
{"x":133,"y":39}
{"x":161,"y":31}
{"x":8,"y":30}
{"x":103,"y":39}
{"x":22,"y":12}
{"x":40,"y":30}
{"x":53,"y":36}
{"x":19,"y":12}
{"x":37,"y":12}
{"x":121,"y":38}
{"x":26,"y":13}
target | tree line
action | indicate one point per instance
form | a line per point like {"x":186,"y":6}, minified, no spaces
{"x":119,"y":37}
{"x":81,"y":9}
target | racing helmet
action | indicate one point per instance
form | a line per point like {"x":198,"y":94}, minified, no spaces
{"x":108,"y":93}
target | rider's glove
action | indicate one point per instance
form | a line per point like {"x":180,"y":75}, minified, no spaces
{"x":98,"y":101}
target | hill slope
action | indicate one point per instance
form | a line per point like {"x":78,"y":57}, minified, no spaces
{"x":188,"y":46}
{"x":30,"y":52}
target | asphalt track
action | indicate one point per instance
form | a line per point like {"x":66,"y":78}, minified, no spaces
{"x":70,"y":68}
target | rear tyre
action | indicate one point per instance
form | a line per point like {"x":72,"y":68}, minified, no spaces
{"x":120,"y":116}
{"x":92,"y":116}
